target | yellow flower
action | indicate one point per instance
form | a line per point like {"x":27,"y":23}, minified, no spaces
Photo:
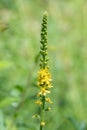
{"x":44,"y":78}
{"x":42,"y":123}
{"x":38,"y":102}
{"x":43,"y":91}
{"x":48,"y":100}
{"x":49,"y":108}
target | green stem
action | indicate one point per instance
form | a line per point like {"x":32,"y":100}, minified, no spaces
{"x":42,"y":111}
{"x":41,"y":127}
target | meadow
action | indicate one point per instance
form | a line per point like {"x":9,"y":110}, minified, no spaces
{"x":20,"y":26}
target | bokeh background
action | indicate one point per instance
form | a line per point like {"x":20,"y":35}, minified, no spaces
{"x":20,"y":25}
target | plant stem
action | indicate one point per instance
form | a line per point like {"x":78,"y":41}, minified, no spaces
{"x":40,"y":127}
{"x":42,"y":112}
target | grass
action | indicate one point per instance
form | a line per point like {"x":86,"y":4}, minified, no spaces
{"x":19,"y":48}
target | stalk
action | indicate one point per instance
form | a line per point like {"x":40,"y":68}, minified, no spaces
{"x":42,"y":112}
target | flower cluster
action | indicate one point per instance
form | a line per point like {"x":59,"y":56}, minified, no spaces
{"x":44,"y":83}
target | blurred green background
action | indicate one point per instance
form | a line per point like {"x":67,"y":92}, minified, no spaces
{"x":20,"y":24}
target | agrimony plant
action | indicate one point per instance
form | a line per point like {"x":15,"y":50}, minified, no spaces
{"x":44,"y":75}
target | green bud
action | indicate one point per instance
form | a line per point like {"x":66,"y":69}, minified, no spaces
{"x":48,"y":109}
{"x":43,"y":47}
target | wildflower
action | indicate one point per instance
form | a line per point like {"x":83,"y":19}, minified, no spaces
{"x":43,"y":92}
{"x":44,"y":75}
{"x":42,"y":123}
{"x":48,"y":100}
{"x":48,"y":109}
{"x":44,"y":78}
{"x":38,"y":102}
